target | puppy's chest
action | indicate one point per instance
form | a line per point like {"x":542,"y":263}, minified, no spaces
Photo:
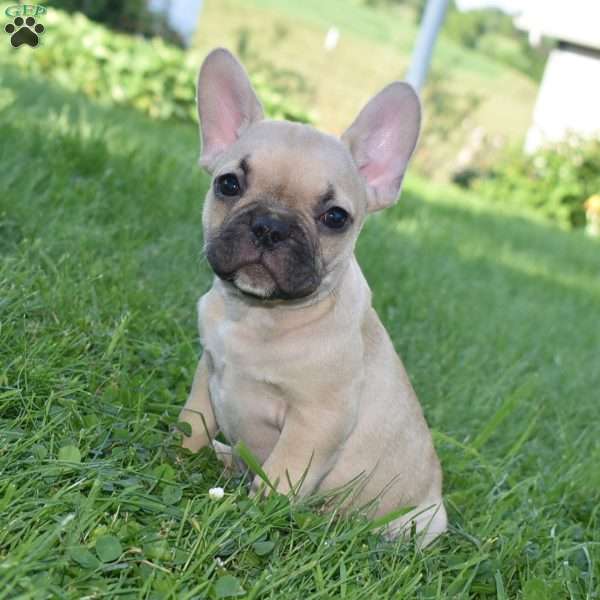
{"x":239,"y":353}
{"x":243,"y":382}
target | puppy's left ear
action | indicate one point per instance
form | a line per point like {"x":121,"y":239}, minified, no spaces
{"x":382,"y":140}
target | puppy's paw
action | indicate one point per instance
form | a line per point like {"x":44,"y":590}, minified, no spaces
{"x":428,"y":521}
{"x":195,"y":434}
{"x":260,"y":487}
{"x":226,"y":455}
{"x":194,"y":443}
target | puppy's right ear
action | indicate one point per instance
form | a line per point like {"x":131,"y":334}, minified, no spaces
{"x":227,"y":104}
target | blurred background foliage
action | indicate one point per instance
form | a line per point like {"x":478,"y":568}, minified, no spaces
{"x":132,"y":16}
{"x":477,"y":103}
{"x":489,"y":31}
{"x":493,"y":33}
{"x":555,"y":182}
{"x":152,"y":75}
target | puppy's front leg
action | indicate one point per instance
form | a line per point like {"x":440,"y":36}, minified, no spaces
{"x":198,"y":410}
{"x":306,"y":450}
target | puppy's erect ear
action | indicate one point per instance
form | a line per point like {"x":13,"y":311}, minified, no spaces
{"x":227,"y":104}
{"x":382,"y":139}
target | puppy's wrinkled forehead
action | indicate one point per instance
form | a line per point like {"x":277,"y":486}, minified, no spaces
{"x":294,"y":164}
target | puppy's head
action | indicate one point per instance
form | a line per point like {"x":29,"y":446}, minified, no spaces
{"x":287,"y":202}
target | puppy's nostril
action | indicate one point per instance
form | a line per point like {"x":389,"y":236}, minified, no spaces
{"x":259,"y":231}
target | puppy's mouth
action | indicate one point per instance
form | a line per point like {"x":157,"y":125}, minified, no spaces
{"x":258,"y":280}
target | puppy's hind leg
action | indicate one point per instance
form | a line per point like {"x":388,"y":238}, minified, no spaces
{"x":429,"y":520}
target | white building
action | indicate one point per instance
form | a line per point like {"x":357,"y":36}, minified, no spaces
{"x":569,"y":98}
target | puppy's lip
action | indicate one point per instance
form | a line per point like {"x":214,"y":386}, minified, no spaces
{"x":230,"y":276}
{"x":250,"y":294}
{"x":255,"y":280}
{"x":277,"y":294}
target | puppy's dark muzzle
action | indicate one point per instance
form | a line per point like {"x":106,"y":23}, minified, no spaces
{"x":277,"y":240}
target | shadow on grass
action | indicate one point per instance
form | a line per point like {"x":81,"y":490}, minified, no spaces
{"x":567,"y":251}
{"x":40,"y":100}
{"x":490,"y":345}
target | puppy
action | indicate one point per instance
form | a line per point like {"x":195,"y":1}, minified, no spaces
{"x":296,"y":362}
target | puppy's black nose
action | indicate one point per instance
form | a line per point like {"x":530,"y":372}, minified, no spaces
{"x":270,"y":231}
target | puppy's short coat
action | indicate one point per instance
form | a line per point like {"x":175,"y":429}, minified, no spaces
{"x":296,"y":362}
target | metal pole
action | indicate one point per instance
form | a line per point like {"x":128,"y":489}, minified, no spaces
{"x":433,"y":17}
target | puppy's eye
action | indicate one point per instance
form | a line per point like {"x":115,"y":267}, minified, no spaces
{"x":228,"y":185}
{"x":334,"y":218}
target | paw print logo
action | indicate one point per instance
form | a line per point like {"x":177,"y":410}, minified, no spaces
{"x":24,"y":32}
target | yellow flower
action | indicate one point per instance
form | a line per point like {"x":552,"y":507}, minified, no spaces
{"x":592,"y":205}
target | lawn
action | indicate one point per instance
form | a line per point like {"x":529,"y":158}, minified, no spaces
{"x":495,"y":314}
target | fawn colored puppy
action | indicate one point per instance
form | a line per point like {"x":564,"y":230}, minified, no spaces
{"x":296,"y":362}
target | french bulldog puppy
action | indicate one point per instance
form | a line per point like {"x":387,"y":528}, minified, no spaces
{"x":296,"y":362}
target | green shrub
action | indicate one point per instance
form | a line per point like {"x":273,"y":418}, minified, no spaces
{"x":150,"y":75}
{"x":493,"y":33}
{"x":555,"y":182}
{"x":132,"y":16}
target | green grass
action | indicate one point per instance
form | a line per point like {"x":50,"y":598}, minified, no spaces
{"x":383,"y":25}
{"x":494,"y":313}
